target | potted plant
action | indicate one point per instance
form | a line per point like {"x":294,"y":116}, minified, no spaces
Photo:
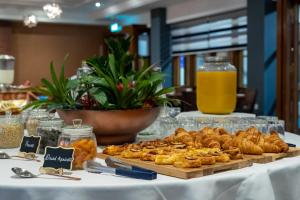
{"x":116,"y":99}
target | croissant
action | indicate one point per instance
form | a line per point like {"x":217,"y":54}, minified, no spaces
{"x":221,"y":131}
{"x":284,"y":147}
{"x":256,"y":138}
{"x":198,"y":141}
{"x":225,"y":138}
{"x":276,"y":140}
{"x":234,"y":153}
{"x":207,"y":130}
{"x":237,"y":139}
{"x":248,"y":147}
{"x":271,"y":148}
{"x":210,"y":142}
{"x":228,"y":144}
{"x":185,"y":138}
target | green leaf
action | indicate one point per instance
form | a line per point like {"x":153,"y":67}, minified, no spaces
{"x":157,"y":77}
{"x":164,"y":91}
{"x":72,"y":84}
{"x":108,"y":79}
{"x":101,"y":98}
{"x":144,"y":72}
{"x":62,"y":74}
{"x":112,"y":66}
{"x":55,"y":80}
{"x":51,"y":88}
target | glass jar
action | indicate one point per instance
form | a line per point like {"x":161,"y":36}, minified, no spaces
{"x":49,"y":130}
{"x":11,"y":131}
{"x":216,"y":86}
{"x":33,"y":120}
{"x":7,"y":65}
{"x":82,"y":139}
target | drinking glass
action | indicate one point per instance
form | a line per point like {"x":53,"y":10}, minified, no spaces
{"x":168,"y":126}
{"x":277,"y":126}
{"x":174,"y":111}
{"x":188,"y":123}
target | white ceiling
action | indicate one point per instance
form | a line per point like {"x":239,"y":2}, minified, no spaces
{"x":126,"y":11}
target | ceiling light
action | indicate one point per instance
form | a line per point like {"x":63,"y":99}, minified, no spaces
{"x":52,"y":10}
{"x":98,"y":4}
{"x":30,"y":21}
{"x":115,"y":27}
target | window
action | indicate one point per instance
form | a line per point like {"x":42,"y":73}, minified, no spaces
{"x":182,"y":70}
{"x":216,"y":33}
{"x":224,"y":34}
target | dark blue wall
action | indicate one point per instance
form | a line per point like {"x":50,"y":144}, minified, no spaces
{"x":270,"y":64}
{"x":161,"y":43}
{"x":262,"y":53}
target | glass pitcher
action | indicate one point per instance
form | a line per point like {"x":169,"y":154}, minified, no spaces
{"x":216,"y":86}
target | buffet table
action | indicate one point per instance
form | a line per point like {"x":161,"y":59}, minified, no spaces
{"x":277,"y":180}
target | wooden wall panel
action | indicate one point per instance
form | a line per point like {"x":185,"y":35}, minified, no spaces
{"x":5,"y":37}
{"x":35,"y":48}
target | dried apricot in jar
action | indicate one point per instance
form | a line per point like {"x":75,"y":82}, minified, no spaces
{"x":85,"y":149}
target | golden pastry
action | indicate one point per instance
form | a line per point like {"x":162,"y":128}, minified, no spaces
{"x":223,"y":157}
{"x":113,"y":150}
{"x":167,"y":159}
{"x":188,"y":162}
{"x":208,"y":160}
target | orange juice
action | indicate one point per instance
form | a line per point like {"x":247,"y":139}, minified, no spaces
{"x":216,"y":91}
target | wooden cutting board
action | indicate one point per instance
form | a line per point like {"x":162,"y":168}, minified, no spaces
{"x":208,"y":169}
{"x":185,"y":173}
{"x":270,"y":157}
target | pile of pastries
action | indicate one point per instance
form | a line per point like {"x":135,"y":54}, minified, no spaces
{"x":192,"y":149}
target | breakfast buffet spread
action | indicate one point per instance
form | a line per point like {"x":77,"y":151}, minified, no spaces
{"x":200,"y":151}
{"x":110,"y":102}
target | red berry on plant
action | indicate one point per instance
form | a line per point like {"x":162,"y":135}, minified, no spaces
{"x":120,"y":87}
{"x":88,"y":102}
{"x":84,"y":100}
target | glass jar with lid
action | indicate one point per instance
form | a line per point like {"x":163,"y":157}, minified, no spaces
{"x":49,"y":129}
{"x":7,"y":65}
{"x":216,"y":86}
{"x":11,"y":131}
{"x":33,"y":120}
{"x":82,"y":139}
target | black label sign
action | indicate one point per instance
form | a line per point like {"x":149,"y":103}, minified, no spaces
{"x":30,"y":144}
{"x":58,"y":157}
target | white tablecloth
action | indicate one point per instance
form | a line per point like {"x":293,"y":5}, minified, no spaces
{"x":199,"y":114}
{"x":278,"y":180}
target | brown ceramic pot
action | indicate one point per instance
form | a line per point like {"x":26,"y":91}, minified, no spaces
{"x":113,"y":127}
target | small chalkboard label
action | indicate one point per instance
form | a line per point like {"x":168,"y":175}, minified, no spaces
{"x":58,"y":158}
{"x":30,"y":144}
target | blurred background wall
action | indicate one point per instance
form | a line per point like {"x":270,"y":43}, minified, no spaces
{"x":34,"y":49}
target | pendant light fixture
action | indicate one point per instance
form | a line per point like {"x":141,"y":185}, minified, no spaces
{"x":52,"y":10}
{"x":30,"y":21}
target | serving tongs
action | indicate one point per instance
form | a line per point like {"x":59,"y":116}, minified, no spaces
{"x":114,"y":162}
{"x":95,"y":167}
